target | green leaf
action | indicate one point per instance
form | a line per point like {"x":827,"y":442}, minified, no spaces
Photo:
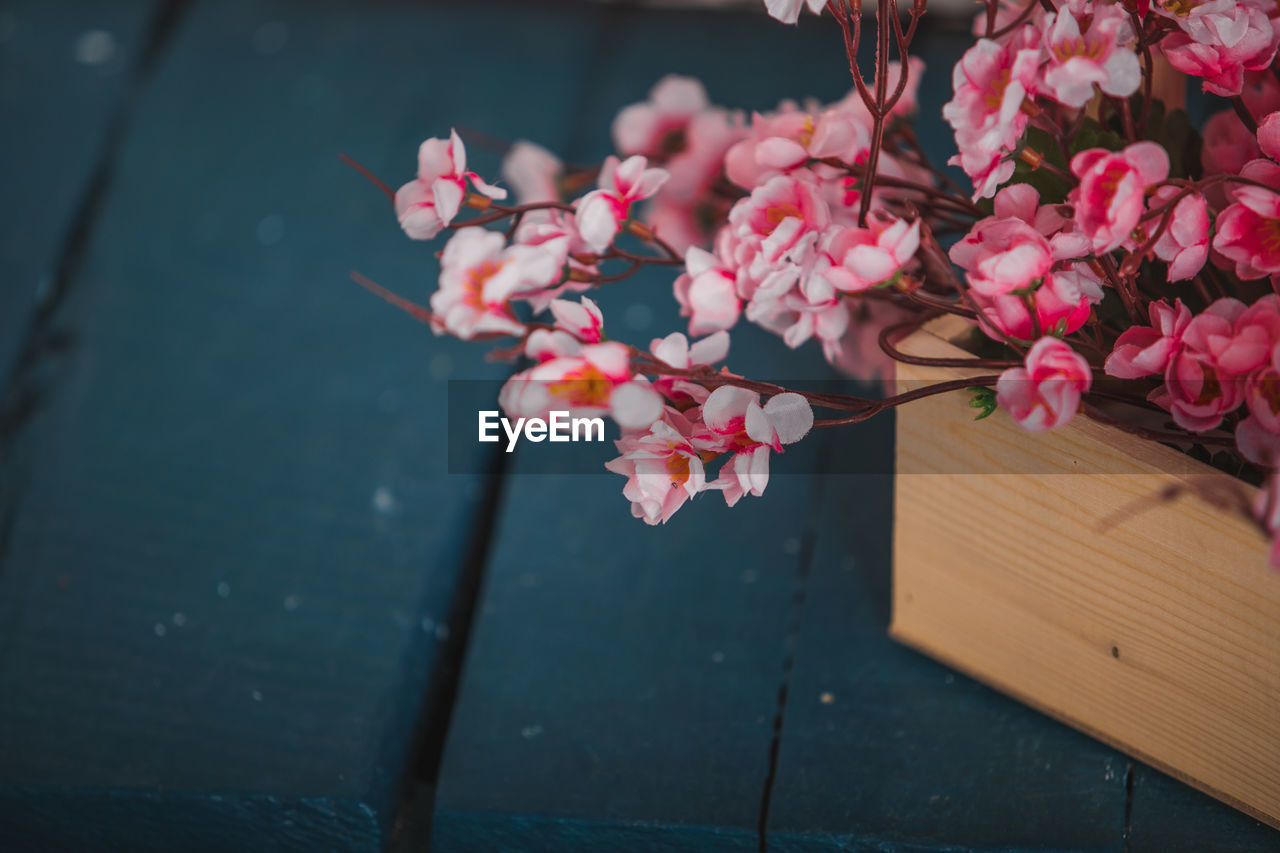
{"x":984,"y":399}
{"x":1094,"y":135}
{"x":1052,"y":189}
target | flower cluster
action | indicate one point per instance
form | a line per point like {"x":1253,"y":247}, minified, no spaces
{"x":1116,"y":259}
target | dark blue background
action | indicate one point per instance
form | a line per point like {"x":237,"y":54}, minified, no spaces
{"x":244,"y":606}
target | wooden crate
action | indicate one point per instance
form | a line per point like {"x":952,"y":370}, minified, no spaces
{"x":1151,"y":625}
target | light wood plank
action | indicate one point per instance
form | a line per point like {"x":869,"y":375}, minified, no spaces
{"x":1159,"y":633}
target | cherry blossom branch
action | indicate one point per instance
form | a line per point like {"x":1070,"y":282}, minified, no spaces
{"x":1148,"y":72}
{"x":848,"y":13}
{"x":960,"y":203}
{"x":369,"y":176}
{"x":886,"y":345}
{"x":646,"y":364}
{"x":1237,"y":104}
{"x":413,"y":309}
{"x":878,"y":406}
{"x":1012,"y":25}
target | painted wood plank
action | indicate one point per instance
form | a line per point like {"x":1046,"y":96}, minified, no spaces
{"x":881,"y":746}
{"x":227,"y":577}
{"x":64,"y":72}
{"x":621,"y":683}
{"x":1166,"y":814}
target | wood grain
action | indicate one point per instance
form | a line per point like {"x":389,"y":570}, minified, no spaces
{"x":1158,"y":633}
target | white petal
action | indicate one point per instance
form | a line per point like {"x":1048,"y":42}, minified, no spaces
{"x":710,"y":349}
{"x":635,"y":405}
{"x":791,"y":416}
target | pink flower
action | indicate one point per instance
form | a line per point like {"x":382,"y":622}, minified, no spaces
{"x":1002,"y":256}
{"x":688,"y":208}
{"x":1202,"y":381}
{"x":1109,"y":201}
{"x":546,"y":344}
{"x":775,"y":231}
{"x":1248,"y":232}
{"x":737,"y":424}
{"x":597,"y":381}
{"x":533,"y":173}
{"x":1228,"y":144}
{"x":662,"y":467}
{"x":1221,"y":46}
{"x":788,"y":11}
{"x":1184,"y":245}
{"x":1258,"y":441}
{"x":798,"y":318}
{"x":676,"y":351}
{"x":789,"y":139}
{"x":863,"y":258}
{"x":1261,"y":94}
{"x":428,"y":203}
{"x":1089,"y":44}
{"x":1045,"y":393}
{"x":991,"y":82}
{"x":581,"y":319}
{"x":656,"y":128}
{"x":1256,"y":332}
{"x":600,"y":213}
{"x":707,"y":294}
{"x":1269,"y":135}
{"x":1262,"y":394}
{"x":1144,"y":350}
{"x":1062,"y":304}
{"x":557,"y":232}
{"x":480,"y":274}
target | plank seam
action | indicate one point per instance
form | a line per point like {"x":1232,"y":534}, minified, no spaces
{"x":800,"y":591}
{"x":43,"y":341}
{"x":1128,"y":806}
{"x":423,"y":770}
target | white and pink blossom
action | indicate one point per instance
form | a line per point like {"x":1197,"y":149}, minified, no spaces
{"x":1221,"y":41}
{"x":430,"y":201}
{"x":657,"y":128}
{"x":863,"y":258}
{"x":1144,"y":350}
{"x":1184,"y":243}
{"x":533,"y":172}
{"x":992,"y":81}
{"x":707,"y":293}
{"x":596,"y":381}
{"x":601,"y":213}
{"x":1045,"y":392}
{"x":735,"y":423}
{"x":788,"y":11}
{"x":581,"y":319}
{"x":480,"y":275}
{"x":1111,"y":196}
{"x":1089,"y":44}
{"x":675,"y":351}
{"x":662,"y":467}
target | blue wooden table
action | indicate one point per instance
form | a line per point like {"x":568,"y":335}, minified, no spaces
{"x":244,"y":605}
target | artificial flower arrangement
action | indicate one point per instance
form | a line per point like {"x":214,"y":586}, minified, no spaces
{"x":1120,"y":265}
